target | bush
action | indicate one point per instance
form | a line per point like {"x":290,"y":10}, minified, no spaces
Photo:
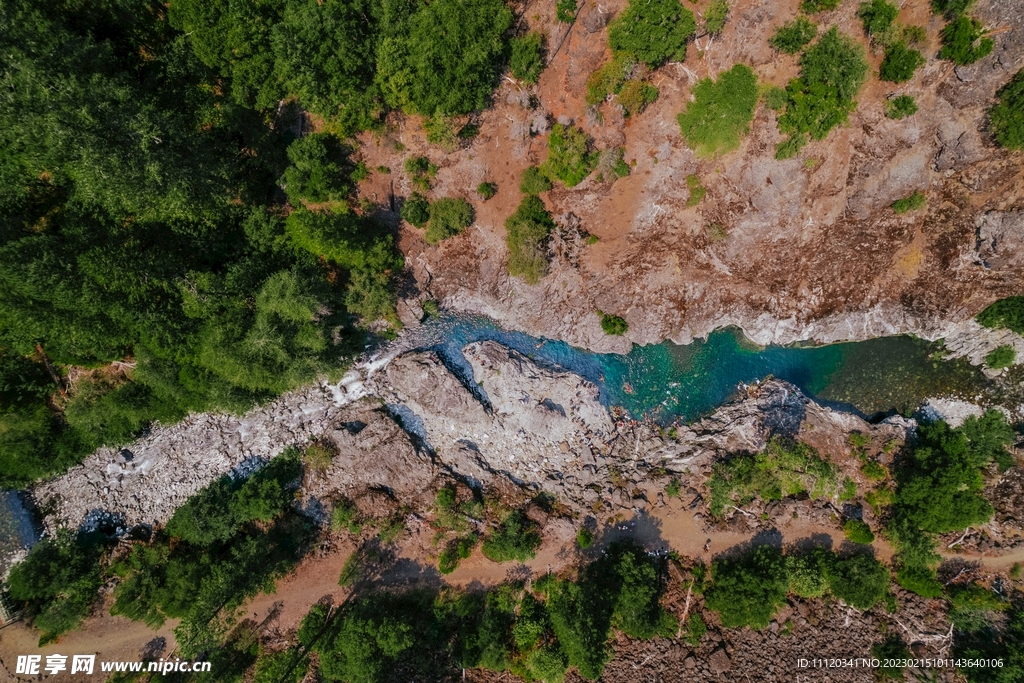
{"x":526,"y":234}
{"x":1006,"y":313}
{"x":783,"y":469}
{"x":951,"y":9}
{"x":318,"y":456}
{"x":415,"y":210}
{"x":1006,"y":118}
{"x":527,"y":60}
{"x":715,"y":15}
{"x":487,"y":190}
{"x":775,"y":98}
{"x":652,"y":31}
{"x":914,"y":202}
{"x":448,"y":217}
{"x":877,"y":16}
{"x":860,"y":581}
{"x":812,"y":6}
{"x":569,"y":156}
{"x":441,"y":131}
{"x":613,"y":324}
{"x":900,"y":107}
{"x":1001,"y":357}
{"x":534,"y":181}
{"x":516,"y":538}
{"x":806,"y":573}
{"x":792,"y":36}
{"x":747,"y":591}
{"x":584,"y":538}
{"x":900,"y":63}
{"x":721,"y":112}
{"x":697,"y":191}
{"x":891,"y":651}
{"x":962,"y":41}
{"x":565,"y":11}
{"x":858,"y":532}
{"x":831,"y":73}
{"x":635,"y":95}
{"x":920,"y":580}
{"x":345,"y":517}
{"x":315,"y":171}
{"x":456,"y":550}
{"x":610,"y":78}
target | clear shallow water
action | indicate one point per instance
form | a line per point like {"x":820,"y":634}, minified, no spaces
{"x":668,"y":381}
{"x":16,"y":529}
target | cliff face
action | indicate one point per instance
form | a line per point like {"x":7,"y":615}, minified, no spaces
{"x":806,"y":248}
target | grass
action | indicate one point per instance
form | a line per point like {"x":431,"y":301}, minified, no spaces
{"x":812,"y":6}
{"x":874,"y":471}
{"x":565,"y":11}
{"x":584,"y":538}
{"x":793,"y":36}
{"x":901,"y":107}
{"x":697,"y":191}
{"x":1001,"y":357}
{"x":487,"y":190}
{"x":674,"y":488}
{"x":721,"y":112}
{"x":914,"y":202}
{"x":318,"y":456}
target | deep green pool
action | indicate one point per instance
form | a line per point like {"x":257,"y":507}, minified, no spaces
{"x":667,"y":381}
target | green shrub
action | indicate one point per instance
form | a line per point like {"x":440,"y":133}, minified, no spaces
{"x":1006,"y":118}
{"x":874,"y":471}
{"x":318,"y":456}
{"x":900,"y":63}
{"x":974,"y":607}
{"x":782,"y":469}
{"x":613,"y":324}
{"x":315,"y":171}
{"x":914,"y":202}
{"x":1001,"y":357}
{"x":674,"y":488}
{"x":891,"y":652}
{"x":652,"y":31}
{"x":565,"y":11}
{"x":609,"y":78}
{"x":920,"y":580}
{"x":792,"y":36}
{"x":487,"y":190}
{"x":877,"y":16}
{"x":345,"y":517}
{"x":951,"y":9}
{"x":584,"y":538}
{"x":831,"y":73}
{"x":516,"y":538}
{"x":635,"y":95}
{"x":280,"y":667}
{"x":441,"y":131}
{"x":858,"y":532}
{"x":1006,"y":313}
{"x":987,"y":438}
{"x":812,"y":6}
{"x":806,"y":573}
{"x":715,"y":15}
{"x":747,"y":591}
{"x":456,"y":550}
{"x":534,"y":181}
{"x":526,"y":234}
{"x":448,"y":217}
{"x":860,"y":581}
{"x":415,"y":210}
{"x":569,"y":156}
{"x":721,"y":112}
{"x":962,"y":41}
{"x":696,"y":629}
{"x":360,"y":173}
{"x":527,"y":60}
{"x":633,"y":576}
{"x":900,"y":107}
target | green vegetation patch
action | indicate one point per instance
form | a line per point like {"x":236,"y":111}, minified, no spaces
{"x":900,"y":63}
{"x":570,"y":158}
{"x":415,"y":210}
{"x":747,"y":591}
{"x":721,"y":112}
{"x":951,"y":9}
{"x":963,"y":41}
{"x":526,"y":235}
{"x":782,"y":469}
{"x":315,"y":173}
{"x":486,"y":190}
{"x":831,"y":74}
{"x":858,"y":532}
{"x":527,"y":59}
{"x":565,"y":11}
{"x":516,"y":538}
{"x":715,"y":16}
{"x":448,"y":217}
{"x":534,"y":181}
{"x":652,"y":31}
{"x":1006,"y":118}
{"x":613,"y":324}
{"x":794,"y":35}
{"x":900,"y":107}
{"x":877,"y":16}
{"x":609,"y":78}
{"x":914,"y":202}
{"x":697,"y":190}
{"x":812,"y":6}
{"x":1006,"y":313}
{"x":1001,"y":357}
{"x":635,"y":95}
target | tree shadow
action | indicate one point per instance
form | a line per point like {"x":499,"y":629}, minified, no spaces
{"x":770,"y":537}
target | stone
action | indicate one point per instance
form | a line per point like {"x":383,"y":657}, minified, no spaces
{"x":719,"y":661}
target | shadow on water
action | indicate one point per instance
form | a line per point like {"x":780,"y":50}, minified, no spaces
{"x":668,"y":381}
